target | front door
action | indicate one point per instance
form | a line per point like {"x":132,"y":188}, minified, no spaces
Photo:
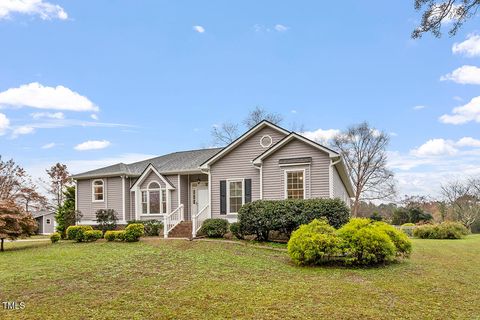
{"x":199,"y":196}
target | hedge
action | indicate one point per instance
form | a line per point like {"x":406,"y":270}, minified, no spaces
{"x":262,"y":216}
{"x":152,"y":227}
{"x":77,"y":233}
{"x":444,"y":230}
{"x":92,"y":235}
{"x":214,"y":228}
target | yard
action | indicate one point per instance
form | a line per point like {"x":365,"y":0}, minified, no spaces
{"x":176,"y":279}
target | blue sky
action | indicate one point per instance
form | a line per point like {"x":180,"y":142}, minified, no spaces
{"x":90,"y":83}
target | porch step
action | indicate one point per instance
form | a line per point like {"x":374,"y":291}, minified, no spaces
{"x":182,"y":230}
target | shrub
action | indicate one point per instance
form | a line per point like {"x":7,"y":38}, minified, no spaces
{"x":444,"y":230}
{"x":313,"y":243}
{"x":408,"y":229}
{"x":120,"y":235}
{"x":77,"y":232}
{"x":402,"y":244}
{"x":408,"y":224}
{"x":214,"y":228}
{"x":402,"y":216}
{"x":152,"y":227}
{"x":236,"y":230}
{"x":55,"y":237}
{"x":133,"y":232}
{"x":106,"y":219}
{"x":110,"y":235}
{"x":92,"y":235}
{"x":376,"y":217}
{"x":262,"y":216}
{"x":366,"y":243}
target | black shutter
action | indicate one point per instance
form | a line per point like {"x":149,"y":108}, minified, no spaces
{"x":248,"y":190}
{"x":223,"y":197}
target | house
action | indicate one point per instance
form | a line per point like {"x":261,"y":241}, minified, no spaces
{"x":184,"y":188}
{"x":45,"y":221}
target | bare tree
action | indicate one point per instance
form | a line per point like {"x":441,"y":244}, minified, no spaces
{"x":59,"y":180}
{"x":463,"y":200}
{"x":30,"y":198}
{"x":225,"y":133}
{"x":438,"y":12}
{"x":259,"y":114}
{"x":364,"y":151}
{"x":12,"y":180}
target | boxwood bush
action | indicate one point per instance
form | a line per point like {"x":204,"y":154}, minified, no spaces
{"x":77,"y":233}
{"x":113,"y":235}
{"x":214,"y":228}
{"x":314,"y":243}
{"x":444,"y":230}
{"x":55,"y":237}
{"x":133,"y":232}
{"x":236,"y":230}
{"x":262,"y":216}
{"x":152,"y":227}
{"x":92,"y":235}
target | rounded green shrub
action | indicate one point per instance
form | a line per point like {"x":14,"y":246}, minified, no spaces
{"x":444,"y":230}
{"x":152,"y":227}
{"x":408,"y":224}
{"x":313,"y":243}
{"x":236,"y":230}
{"x":77,"y":232}
{"x":214,"y":228}
{"x":366,"y":243}
{"x":55,"y":237}
{"x":400,"y":240}
{"x":110,"y":235}
{"x":133,"y":232}
{"x":120,"y":235}
{"x":92,"y":235}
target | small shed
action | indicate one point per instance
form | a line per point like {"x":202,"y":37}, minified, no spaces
{"x":45,"y":221}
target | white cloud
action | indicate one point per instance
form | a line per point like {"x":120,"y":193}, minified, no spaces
{"x":49,"y":145}
{"x":198,"y":29}
{"x":416,"y":108}
{"x":435,"y":147}
{"x":45,"y":10}
{"x":470,"y":47}
{"x":463,"y":75}
{"x":94,"y":116}
{"x":293,"y":111}
{"x":320,"y":135}
{"x":4,"y":124}
{"x":92,"y":145}
{"x":468,"y":142}
{"x":39,"y":115}
{"x":463,"y":114}
{"x":281,"y":28}
{"x":22,"y":130}
{"x":37,"y":96}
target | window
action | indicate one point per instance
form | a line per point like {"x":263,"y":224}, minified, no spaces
{"x":235,"y":195}
{"x":48,"y":221}
{"x":295,"y":184}
{"x":97,"y":190}
{"x":154,"y":199}
{"x":266,"y":141}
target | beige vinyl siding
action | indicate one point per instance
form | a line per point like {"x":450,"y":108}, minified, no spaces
{"x":316,"y":175}
{"x":112,"y":198}
{"x":237,"y":164}
{"x":339,"y":190}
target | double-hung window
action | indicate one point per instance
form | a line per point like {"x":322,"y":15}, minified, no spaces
{"x":235,"y":194}
{"x":97,"y":191}
{"x":295,"y":184}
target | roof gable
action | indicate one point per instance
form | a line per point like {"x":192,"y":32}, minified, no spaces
{"x":150,"y":168}
{"x":240,"y":140}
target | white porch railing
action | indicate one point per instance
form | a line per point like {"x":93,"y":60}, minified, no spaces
{"x":197,"y":220}
{"x":171,"y":220}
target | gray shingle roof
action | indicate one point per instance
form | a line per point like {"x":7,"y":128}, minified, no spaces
{"x":173,"y":162}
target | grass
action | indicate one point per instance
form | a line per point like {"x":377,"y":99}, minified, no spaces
{"x":177,"y":279}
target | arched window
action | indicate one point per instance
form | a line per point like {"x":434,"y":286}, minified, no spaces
{"x":154,"y":199}
{"x":97,"y":191}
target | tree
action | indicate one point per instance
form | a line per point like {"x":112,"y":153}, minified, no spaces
{"x":106,"y":219}
{"x":364,"y":151}
{"x":227,"y":132}
{"x":12,"y":180}
{"x":14,"y":223}
{"x":59,"y":180}
{"x":438,"y":12}
{"x":31,"y":199}
{"x":259,"y":114}
{"x":66,"y":215}
{"x":463,"y":199}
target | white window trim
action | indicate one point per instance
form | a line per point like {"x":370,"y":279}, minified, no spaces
{"x":285,"y":179}
{"x":228,"y":193}
{"x":147,"y":190}
{"x":93,"y":190}
{"x":266,"y":145}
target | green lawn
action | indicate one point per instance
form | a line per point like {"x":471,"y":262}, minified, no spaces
{"x":176,"y":279}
